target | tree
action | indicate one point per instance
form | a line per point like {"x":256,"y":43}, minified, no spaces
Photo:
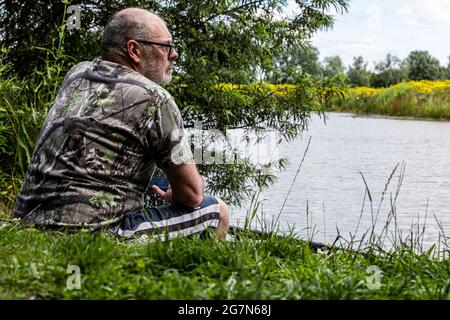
{"x":447,"y":70}
{"x":357,"y":74}
{"x":333,"y":66}
{"x":303,"y":59}
{"x":423,"y":66}
{"x":389,"y":71}
{"x":217,"y":41}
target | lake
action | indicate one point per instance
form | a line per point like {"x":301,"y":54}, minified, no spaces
{"x":329,"y":192}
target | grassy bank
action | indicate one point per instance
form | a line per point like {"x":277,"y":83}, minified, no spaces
{"x":420,"y":99}
{"x":36,"y":265}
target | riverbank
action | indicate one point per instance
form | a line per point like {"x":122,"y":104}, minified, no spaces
{"x":414,"y":99}
{"x":44,"y":265}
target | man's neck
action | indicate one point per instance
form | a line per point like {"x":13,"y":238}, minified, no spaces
{"x":119,"y":60}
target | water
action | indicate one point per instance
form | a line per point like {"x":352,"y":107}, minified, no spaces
{"x":329,"y":191}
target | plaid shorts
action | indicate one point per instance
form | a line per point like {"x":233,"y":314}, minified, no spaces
{"x":170,"y":221}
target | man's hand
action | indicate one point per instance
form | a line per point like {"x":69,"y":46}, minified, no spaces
{"x":166,"y":195}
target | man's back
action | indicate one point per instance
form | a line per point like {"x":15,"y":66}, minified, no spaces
{"x":98,"y":148}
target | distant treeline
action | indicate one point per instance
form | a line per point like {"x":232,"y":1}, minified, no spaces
{"x":418,"y":65}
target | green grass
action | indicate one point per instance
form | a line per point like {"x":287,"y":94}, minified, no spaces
{"x":34,"y":263}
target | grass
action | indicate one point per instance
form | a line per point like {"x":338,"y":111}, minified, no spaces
{"x":418,"y":99}
{"x":34,"y":265}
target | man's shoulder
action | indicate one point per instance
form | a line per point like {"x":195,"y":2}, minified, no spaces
{"x":107,"y":71}
{"x":76,"y":70}
{"x":145,"y":87}
{"x":80,"y":66}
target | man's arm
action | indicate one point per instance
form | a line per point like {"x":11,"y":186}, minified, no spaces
{"x":175,"y":157}
{"x":186,"y":185}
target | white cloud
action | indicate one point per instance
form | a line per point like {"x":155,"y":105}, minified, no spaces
{"x":292,"y":9}
{"x":373,"y":21}
{"x":421,"y":13}
{"x":366,"y":46}
{"x":405,"y":25}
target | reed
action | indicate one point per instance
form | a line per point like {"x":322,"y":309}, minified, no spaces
{"x":419,"y":99}
{"x":24,"y":103}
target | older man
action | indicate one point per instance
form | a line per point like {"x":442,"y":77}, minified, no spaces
{"x":109,"y":128}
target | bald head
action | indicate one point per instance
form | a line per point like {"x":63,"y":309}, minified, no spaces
{"x":130,"y":23}
{"x":138,"y":15}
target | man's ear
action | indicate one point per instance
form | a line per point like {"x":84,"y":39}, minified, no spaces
{"x":133,"y":51}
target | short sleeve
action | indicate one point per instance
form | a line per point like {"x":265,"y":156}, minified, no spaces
{"x":167,"y":139}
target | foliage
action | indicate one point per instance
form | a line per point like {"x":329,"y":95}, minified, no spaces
{"x":447,"y":70}
{"x":388,"y":72}
{"x":295,"y":61}
{"x":23,"y":107}
{"x":419,"y":65}
{"x":333,"y":66}
{"x":423,"y":66}
{"x":422,"y":99}
{"x":357,"y":73}
{"x":224,"y":36}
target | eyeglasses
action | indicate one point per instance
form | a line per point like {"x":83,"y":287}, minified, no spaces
{"x":170,"y":46}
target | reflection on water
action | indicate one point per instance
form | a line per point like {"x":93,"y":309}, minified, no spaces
{"x":330,"y":187}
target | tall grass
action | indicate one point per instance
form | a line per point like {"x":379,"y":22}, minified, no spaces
{"x":420,"y":99}
{"x":24,"y":104}
{"x":384,"y":236}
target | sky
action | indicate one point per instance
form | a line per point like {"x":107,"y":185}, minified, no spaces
{"x":374,"y":28}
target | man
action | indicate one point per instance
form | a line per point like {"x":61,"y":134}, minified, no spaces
{"x":109,"y":128}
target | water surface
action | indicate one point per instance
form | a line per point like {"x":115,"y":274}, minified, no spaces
{"x":330,"y":193}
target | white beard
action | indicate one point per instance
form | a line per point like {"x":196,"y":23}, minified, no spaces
{"x":153,"y":72}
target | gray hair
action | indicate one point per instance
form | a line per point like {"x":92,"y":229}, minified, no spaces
{"x":120,"y":29}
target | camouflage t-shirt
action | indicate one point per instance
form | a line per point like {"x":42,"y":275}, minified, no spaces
{"x":103,"y":138}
